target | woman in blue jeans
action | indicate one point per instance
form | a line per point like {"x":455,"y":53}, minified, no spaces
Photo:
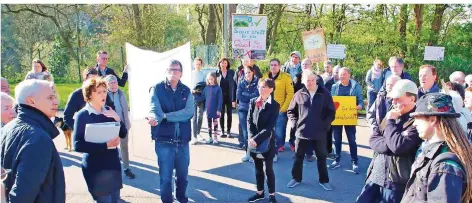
{"x":101,"y":165}
{"x":247,"y":89}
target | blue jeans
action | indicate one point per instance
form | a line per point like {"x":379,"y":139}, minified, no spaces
{"x":172,"y":156}
{"x":351,"y":138}
{"x":243,"y":123}
{"x":372,"y":192}
{"x":371,"y":96}
{"x":110,"y":198}
{"x":281,"y":129}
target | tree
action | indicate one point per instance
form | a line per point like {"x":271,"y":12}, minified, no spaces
{"x":274,"y":26}
{"x":402,"y":30}
{"x":436,"y":23}
{"x":210,"y":37}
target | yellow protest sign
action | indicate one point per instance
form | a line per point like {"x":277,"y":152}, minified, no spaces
{"x":346,"y":111}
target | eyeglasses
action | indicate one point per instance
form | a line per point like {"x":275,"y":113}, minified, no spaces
{"x":173,"y":70}
{"x":103,"y":58}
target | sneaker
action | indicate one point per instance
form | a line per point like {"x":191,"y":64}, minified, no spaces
{"x":292,"y":147}
{"x":241,"y":146}
{"x":281,"y":149}
{"x":326,"y":186}
{"x":355,"y":168}
{"x":200,"y":138}
{"x":229,"y":134}
{"x":129,"y":174}
{"x":245,"y":158}
{"x":224,"y":136}
{"x":256,"y":197}
{"x":193,"y":142}
{"x":251,"y":159}
{"x":215,"y":141}
{"x":275,"y":158}
{"x":331,"y":156}
{"x":209,"y":141}
{"x":272,"y":199}
{"x":292,"y":183}
{"x":334,"y":165}
{"x":311,"y":158}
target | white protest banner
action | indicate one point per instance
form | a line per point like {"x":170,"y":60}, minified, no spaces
{"x":432,"y":53}
{"x":314,"y":45}
{"x":148,"y":68}
{"x":336,"y":51}
{"x":249,"y":36}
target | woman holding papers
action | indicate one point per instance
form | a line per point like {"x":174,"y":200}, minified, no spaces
{"x":100,"y":162}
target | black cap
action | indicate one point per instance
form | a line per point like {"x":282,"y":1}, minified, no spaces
{"x":435,"y":104}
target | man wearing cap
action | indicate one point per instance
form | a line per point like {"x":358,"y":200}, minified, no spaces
{"x":328,"y":71}
{"x":293,"y":66}
{"x":394,"y":144}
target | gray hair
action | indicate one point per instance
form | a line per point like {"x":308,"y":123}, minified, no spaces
{"x":395,"y":59}
{"x":345,"y":69}
{"x":5,"y":96}
{"x":29,"y":88}
{"x":328,"y":62}
{"x":305,"y":60}
{"x":111,"y":78}
{"x":337,"y":67}
{"x":394,"y":77}
{"x":456,"y":75}
{"x":306,"y":74}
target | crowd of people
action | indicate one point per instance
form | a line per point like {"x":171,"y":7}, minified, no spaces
{"x":420,"y":135}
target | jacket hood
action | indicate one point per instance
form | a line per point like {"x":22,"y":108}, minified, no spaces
{"x":31,"y":114}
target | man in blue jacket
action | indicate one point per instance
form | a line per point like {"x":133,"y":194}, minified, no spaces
{"x":396,"y":67}
{"x":27,"y":148}
{"x":171,"y":111}
{"x":395,"y":144}
{"x":76,"y":99}
{"x":346,"y":87}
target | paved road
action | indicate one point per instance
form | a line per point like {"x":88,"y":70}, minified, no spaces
{"x":217,"y":174}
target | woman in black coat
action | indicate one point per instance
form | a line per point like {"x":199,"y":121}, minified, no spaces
{"x":262,"y":116}
{"x":225,"y":77}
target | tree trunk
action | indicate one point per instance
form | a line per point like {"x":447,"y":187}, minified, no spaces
{"x":200,"y":21}
{"x":278,"y":15}
{"x":418,"y":9}
{"x":138,"y":24}
{"x":436,"y":23}
{"x":231,"y":10}
{"x":402,"y":30}
{"x":211,"y":28}
{"x":333,"y":18}
{"x":261,"y":9}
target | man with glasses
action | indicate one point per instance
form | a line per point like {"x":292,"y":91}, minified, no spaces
{"x":170,"y":114}
{"x":103,"y":70}
{"x":396,"y":67}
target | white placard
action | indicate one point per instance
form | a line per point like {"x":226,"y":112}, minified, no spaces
{"x":148,"y":68}
{"x":336,"y":51}
{"x":101,"y":132}
{"x":249,"y":36}
{"x":434,"y":53}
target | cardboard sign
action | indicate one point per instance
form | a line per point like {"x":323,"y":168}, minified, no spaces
{"x":346,"y":110}
{"x":249,"y":36}
{"x":314,"y":45}
{"x":336,"y":51}
{"x":433,"y":53}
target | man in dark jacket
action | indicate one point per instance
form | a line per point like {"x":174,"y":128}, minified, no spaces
{"x":312,"y":110}
{"x":76,"y":99}
{"x":396,"y":67}
{"x":427,"y":76}
{"x":172,"y":106}
{"x":103,"y":70}
{"x":27,"y":148}
{"x":382,"y":104}
{"x":395,"y":144}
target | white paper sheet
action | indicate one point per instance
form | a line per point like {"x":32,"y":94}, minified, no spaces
{"x":101,"y":132}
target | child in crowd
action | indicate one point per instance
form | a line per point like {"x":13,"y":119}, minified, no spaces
{"x":213,"y":104}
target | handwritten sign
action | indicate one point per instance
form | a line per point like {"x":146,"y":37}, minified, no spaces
{"x":346,"y":111}
{"x":433,"y":53}
{"x":249,"y":36}
{"x":336,"y":51}
{"x":314,"y":44}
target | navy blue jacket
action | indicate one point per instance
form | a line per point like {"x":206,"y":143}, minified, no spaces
{"x":261,"y":123}
{"x":245,"y":92}
{"x":398,"y":143}
{"x":213,"y":100}
{"x":101,"y":166}
{"x":28,"y":150}
{"x":329,"y":84}
{"x":230,"y":76}
{"x":311,"y":118}
{"x":387,"y":72}
{"x":109,"y":71}
{"x":378,"y":110}
{"x":173,"y":111}
{"x":435,"y":88}
{"x":75,"y":103}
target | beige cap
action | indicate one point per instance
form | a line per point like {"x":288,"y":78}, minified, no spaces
{"x":402,"y":87}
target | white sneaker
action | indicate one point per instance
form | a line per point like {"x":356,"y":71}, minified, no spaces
{"x":215,"y":141}
{"x":245,"y":158}
{"x":200,"y":138}
{"x":275,"y":158}
{"x":193,"y":142}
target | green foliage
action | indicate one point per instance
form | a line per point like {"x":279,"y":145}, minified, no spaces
{"x":59,"y":59}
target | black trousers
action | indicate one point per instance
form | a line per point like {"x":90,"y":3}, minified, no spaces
{"x":227,"y":109}
{"x":301,"y":145}
{"x":268,"y":161}
{"x":329,"y":139}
